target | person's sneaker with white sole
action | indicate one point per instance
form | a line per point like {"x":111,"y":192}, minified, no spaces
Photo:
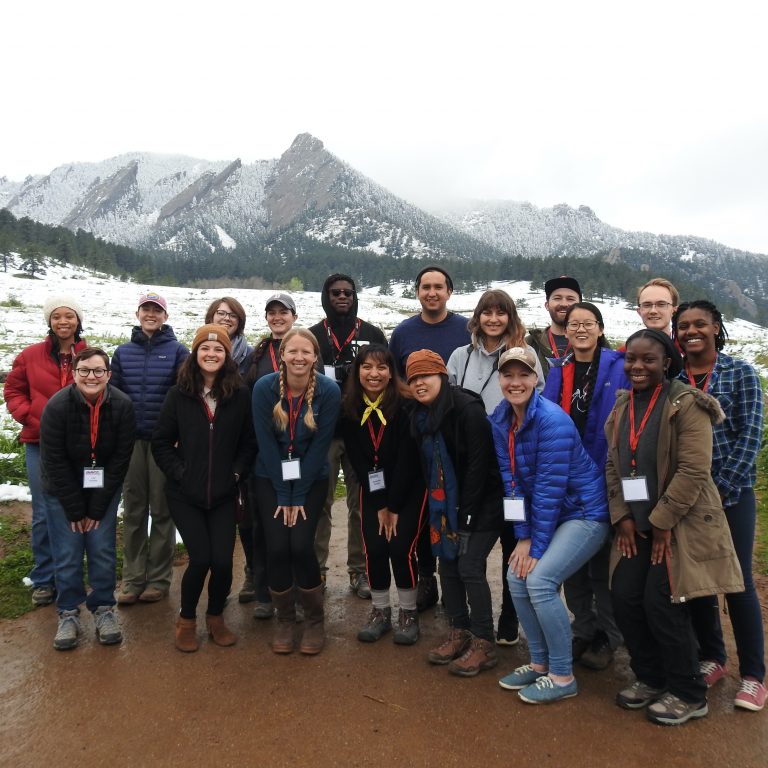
{"x":108,"y":629}
{"x":546,"y":691}
{"x":521,"y":677}
{"x":672,"y":710}
{"x":68,"y":631}
{"x":752,"y":695}
{"x":712,"y":672}
{"x":638,"y":695}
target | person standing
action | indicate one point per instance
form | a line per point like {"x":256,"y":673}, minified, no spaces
{"x":464,"y":497}
{"x":204,"y":444}
{"x":437,"y":329}
{"x":145,"y":368}
{"x":375,"y":426}
{"x":698,"y":328}
{"x":552,"y":342}
{"x":657,"y":301}
{"x":555,"y":495}
{"x":585,"y":382}
{"x":38,"y":372}
{"x":672,"y":544}
{"x":280,"y":314}
{"x":86,"y":438}
{"x":340,"y":336}
{"x":295,"y":412}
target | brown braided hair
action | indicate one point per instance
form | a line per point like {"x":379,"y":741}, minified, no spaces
{"x":279,"y":413}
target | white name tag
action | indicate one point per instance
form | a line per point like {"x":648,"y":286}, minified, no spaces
{"x":93,"y":477}
{"x":330,"y":371}
{"x":634,"y":489}
{"x":514,"y":510}
{"x":291,"y":469}
{"x":376,"y":481}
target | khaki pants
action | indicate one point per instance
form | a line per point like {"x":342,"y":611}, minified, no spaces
{"x":147,"y":559}
{"x":337,"y":457}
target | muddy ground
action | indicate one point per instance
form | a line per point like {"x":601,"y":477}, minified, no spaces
{"x":145,"y":704}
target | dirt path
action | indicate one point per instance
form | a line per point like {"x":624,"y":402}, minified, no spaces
{"x":145,"y":704}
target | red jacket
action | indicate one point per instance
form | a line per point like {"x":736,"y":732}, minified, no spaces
{"x":33,"y":380}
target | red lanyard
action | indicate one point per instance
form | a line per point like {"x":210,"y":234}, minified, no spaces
{"x":512,"y":429}
{"x":94,"y":426}
{"x":65,"y":361}
{"x":634,"y":437}
{"x":275,"y":366}
{"x":376,"y":440}
{"x":553,"y":346}
{"x":692,"y":379}
{"x":208,"y":412}
{"x":332,"y":337}
{"x":293,"y":417}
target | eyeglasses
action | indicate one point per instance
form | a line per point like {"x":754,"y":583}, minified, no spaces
{"x":648,"y":305}
{"x":86,"y":372}
{"x":221,"y":314}
{"x":336,"y":292}
{"x":573,"y":325}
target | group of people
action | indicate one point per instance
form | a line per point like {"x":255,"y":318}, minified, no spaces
{"x":625,"y":476}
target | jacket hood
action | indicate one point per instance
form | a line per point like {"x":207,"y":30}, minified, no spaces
{"x":678,"y":389}
{"x":330,"y":313}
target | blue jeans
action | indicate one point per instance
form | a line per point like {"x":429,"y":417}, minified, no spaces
{"x":68,"y":550}
{"x":539,"y":607}
{"x":42,"y":575}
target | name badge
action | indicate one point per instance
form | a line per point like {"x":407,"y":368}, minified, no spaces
{"x":514,"y":510}
{"x":634,"y":489}
{"x":291,"y":469}
{"x":93,"y":477}
{"x":376,"y":481}
{"x":330,"y":371}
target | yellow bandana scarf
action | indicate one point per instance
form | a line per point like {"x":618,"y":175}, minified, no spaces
{"x":373,"y":406}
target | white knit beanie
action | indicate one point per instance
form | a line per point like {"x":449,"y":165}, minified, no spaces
{"x":61,"y":300}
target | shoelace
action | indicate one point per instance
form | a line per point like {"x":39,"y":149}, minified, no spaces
{"x":708,"y":667}
{"x":750,"y":687}
{"x":545,"y":682}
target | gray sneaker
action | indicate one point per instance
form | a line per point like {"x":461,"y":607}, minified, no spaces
{"x":358,"y":583}
{"x":407,"y":632}
{"x":43,"y":595}
{"x":671,"y":710}
{"x":378,"y":624}
{"x":68,"y":630}
{"x":263,"y":610}
{"x":107,"y":626}
{"x":638,"y":695}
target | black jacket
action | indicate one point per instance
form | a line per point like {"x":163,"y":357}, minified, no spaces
{"x":466,"y":430}
{"x":65,"y":449}
{"x":200,"y":458}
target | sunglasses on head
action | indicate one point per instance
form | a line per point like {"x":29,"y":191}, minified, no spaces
{"x":348,"y":292}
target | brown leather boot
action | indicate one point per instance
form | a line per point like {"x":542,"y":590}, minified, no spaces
{"x":480,"y":654}
{"x":456,"y":643}
{"x":285,"y":608}
{"x":219,"y":631}
{"x":314,"y":620}
{"x":186,"y":635}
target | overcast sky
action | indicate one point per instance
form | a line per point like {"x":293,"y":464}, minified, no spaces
{"x":654,"y":114}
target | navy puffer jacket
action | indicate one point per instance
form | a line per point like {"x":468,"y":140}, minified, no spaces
{"x":145,"y":369}
{"x":553,"y":471}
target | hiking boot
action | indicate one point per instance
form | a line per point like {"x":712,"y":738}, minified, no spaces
{"x":712,"y":672}
{"x":751,"y":695}
{"x":451,"y":648}
{"x":358,"y":583}
{"x":426,"y":592}
{"x":247,"y":593}
{"x":508,"y":630}
{"x":638,"y":695}
{"x":43,"y":595}
{"x":263,"y":610}
{"x":670,"y":710}
{"x":108,"y":629}
{"x":125,"y":597}
{"x":152,"y":595}
{"x":522,"y":677}
{"x":546,"y":691}
{"x":599,"y":654}
{"x":378,"y":624}
{"x":480,"y":655}
{"x":407,"y":632}
{"x":218,"y":631}
{"x":68,"y":630}
{"x":579,"y":646}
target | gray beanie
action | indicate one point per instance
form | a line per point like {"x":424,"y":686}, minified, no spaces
{"x":61,"y":300}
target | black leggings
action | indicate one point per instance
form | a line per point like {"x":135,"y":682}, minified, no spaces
{"x":401,"y":550}
{"x":291,"y":551}
{"x":209,"y":536}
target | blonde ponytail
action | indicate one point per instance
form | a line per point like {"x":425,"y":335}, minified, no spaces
{"x":279,"y":416}
{"x":309,"y":416}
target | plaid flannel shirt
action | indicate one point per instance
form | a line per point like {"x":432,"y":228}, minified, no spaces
{"x":736,"y":442}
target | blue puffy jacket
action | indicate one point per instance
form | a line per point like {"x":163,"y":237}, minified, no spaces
{"x":610,"y":379}
{"x":145,"y":369}
{"x":553,"y":471}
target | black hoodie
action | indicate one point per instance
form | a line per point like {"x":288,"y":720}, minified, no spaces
{"x":350,"y":332}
